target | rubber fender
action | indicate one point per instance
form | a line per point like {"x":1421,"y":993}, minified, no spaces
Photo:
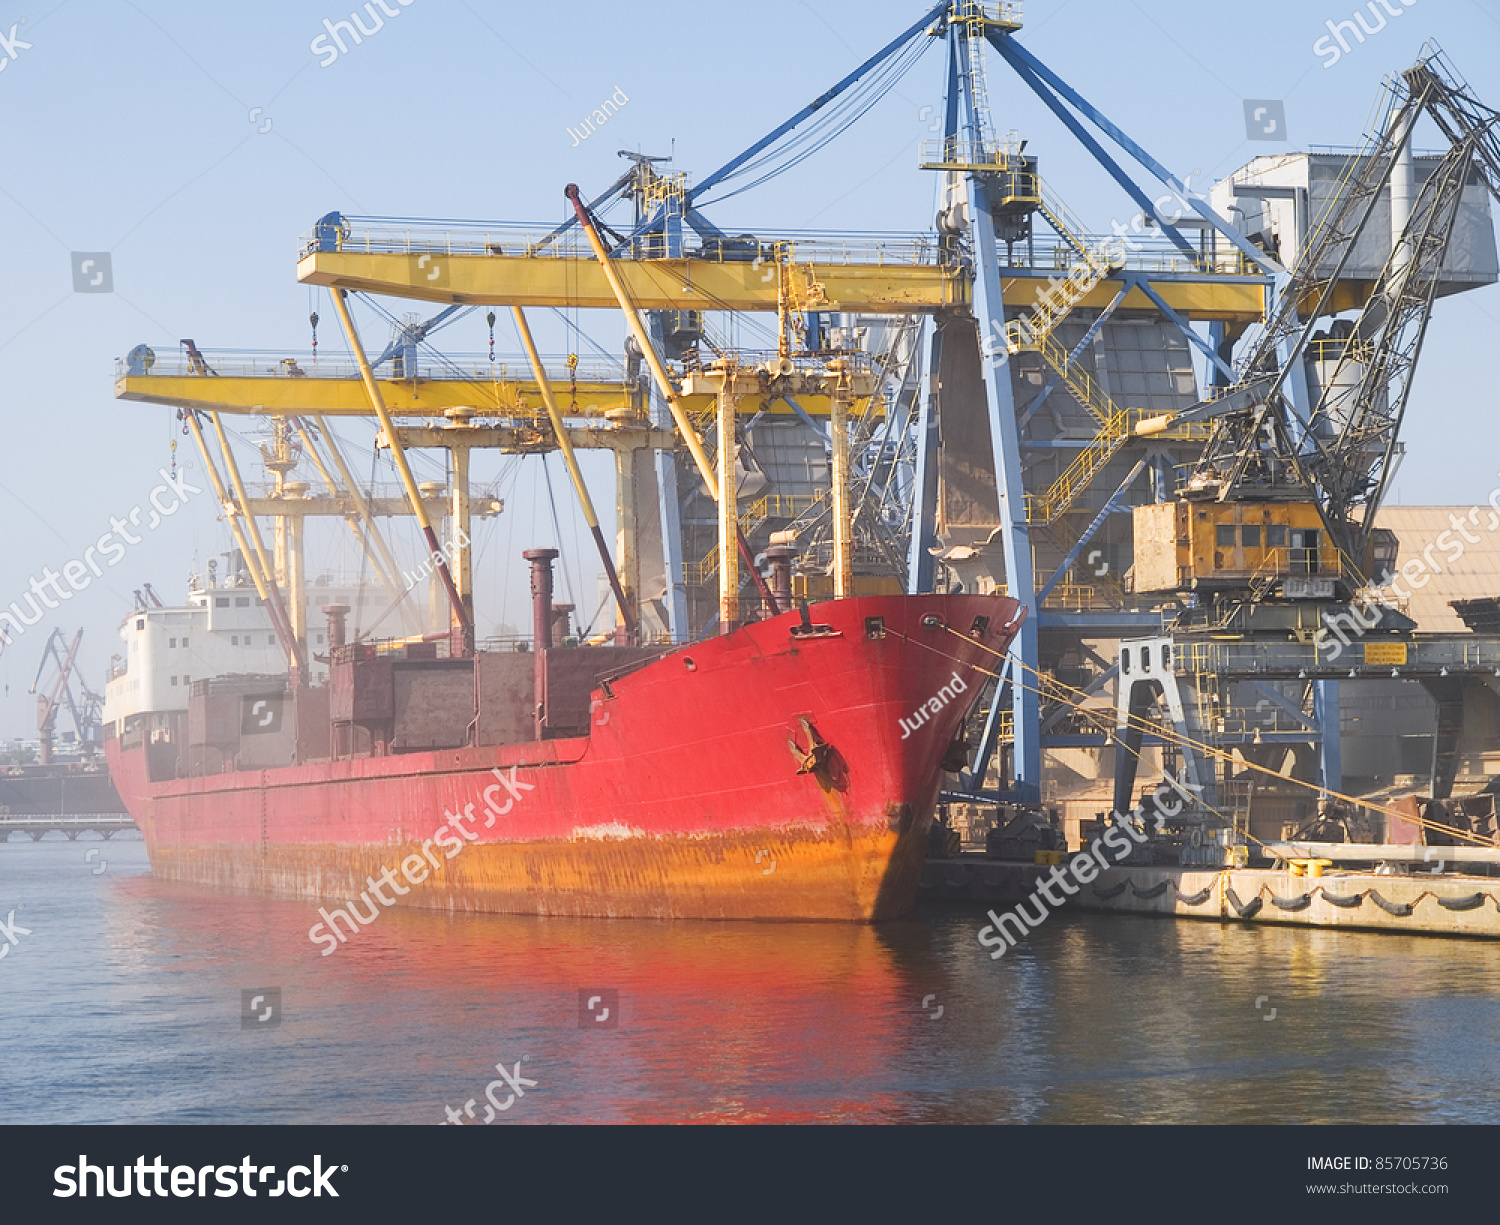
{"x":1400,"y":909}
{"x":1245,"y":910}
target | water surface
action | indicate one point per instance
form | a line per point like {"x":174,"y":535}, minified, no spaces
{"x":123,"y":1004}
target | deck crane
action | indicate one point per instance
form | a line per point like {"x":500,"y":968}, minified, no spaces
{"x":1304,"y":465}
{"x":85,"y":711}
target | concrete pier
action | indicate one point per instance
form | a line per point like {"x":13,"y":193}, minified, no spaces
{"x":1447,"y":905}
{"x":39,"y":824}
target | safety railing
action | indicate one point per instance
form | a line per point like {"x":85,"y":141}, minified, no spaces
{"x":1076,"y":596}
{"x":1060,"y":496}
{"x":1136,"y":254}
{"x":398,"y":236}
{"x":1015,"y":180}
{"x":785,"y":506}
{"x":1336,"y":350}
{"x":1074,"y":376}
{"x":779,"y":506}
{"x":1272,"y":562}
{"x":1068,"y":226}
{"x":879,"y":249}
{"x":1048,"y":506}
{"x":172,"y":362}
{"x":976,"y":16}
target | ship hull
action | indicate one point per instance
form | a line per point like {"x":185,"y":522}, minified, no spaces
{"x":57,"y":791}
{"x":769,"y":773}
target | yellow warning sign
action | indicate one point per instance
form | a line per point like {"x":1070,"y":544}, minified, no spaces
{"x":1385,"y":654}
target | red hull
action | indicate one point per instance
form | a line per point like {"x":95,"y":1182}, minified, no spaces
{"x":685,"y":800}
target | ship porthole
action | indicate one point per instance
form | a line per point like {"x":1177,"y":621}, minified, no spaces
{"x":687,"y":662}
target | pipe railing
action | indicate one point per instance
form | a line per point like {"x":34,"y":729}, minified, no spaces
{"x":170,"y":361}
{"x":380,"y":236}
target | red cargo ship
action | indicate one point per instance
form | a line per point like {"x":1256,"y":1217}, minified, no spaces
{"x":788,"y":769}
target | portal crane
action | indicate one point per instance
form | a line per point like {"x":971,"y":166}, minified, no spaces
{"x":87,"y":722}
{"x":1276,"y":522}
{"x":1308,"y":437}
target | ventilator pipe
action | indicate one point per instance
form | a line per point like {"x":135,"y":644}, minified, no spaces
{"x":337,"y":635}
{"x":541,"y":627}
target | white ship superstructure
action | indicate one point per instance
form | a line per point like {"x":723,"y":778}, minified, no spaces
{"x":221,"y":631}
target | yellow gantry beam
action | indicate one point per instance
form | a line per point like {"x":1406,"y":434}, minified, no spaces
{"x":509,"y":399}
{"x":1228,"y":300}
{"x":696,"y":284}
{"x":276,"y":393}
{"x":527,"y":441}
{"x":342,"y":505}
{"x":658,"y":284}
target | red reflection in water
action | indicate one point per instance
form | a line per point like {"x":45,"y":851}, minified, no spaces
{"x":769,"y":1022}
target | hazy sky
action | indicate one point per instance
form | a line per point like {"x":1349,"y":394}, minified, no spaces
{"x":195,"y":144}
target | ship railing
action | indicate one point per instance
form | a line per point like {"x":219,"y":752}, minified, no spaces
{"x":497,"y":643}
{"x":399,"y":236}
{"x":382,"y":648}
{"x":170,"y":361}
{"x":614,"y":674}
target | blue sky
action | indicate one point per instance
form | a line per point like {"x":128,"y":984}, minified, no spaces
{"x":133,"y":129}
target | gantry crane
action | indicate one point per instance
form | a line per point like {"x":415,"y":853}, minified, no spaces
{"x":971,"y":437}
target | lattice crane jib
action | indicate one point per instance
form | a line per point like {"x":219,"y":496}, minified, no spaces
{"x":1339,"y":451}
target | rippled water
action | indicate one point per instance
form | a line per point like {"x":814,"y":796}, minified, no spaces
{"x":123,"y":1004}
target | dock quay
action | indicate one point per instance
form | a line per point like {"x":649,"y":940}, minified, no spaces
{"x":106,"y":824}
{"x":1446,"y":904}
